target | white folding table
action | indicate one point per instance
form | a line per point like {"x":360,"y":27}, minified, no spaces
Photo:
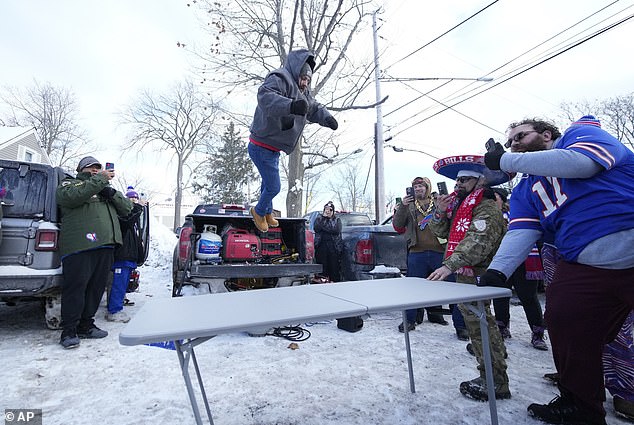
{"x":190,"y":321}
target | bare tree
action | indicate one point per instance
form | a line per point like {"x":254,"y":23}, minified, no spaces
{"x":571,"y":112}
{"x":616,"y":115}
{"x":619,"y":112}
{"x":53,"y":112}
{"x":252,"y":37}
{"x":180,"y":122}
{"x":347,"y":188}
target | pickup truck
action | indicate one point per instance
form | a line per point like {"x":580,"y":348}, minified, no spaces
{"x":248,"y":259}
{"x":371,"y":251}
{"x":30,"y":264}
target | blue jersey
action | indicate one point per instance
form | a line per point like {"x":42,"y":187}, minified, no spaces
{"x":579,"y":211}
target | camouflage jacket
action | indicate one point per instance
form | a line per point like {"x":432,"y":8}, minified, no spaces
{"x":480,"y":242}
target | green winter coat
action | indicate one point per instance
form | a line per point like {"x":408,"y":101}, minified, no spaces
{"x":480,"y":242}
{"x":88,"y":221}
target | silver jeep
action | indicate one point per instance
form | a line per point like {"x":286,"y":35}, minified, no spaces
{"x":30,"y":265}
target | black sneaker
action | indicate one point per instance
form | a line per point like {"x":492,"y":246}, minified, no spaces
{"x":477,"y":390}
{"x":92,"y":332}
{"x":437,"y":318}
{"x":410,"y":327}
{"x":69,"y":339}
{"x":563,"y":410}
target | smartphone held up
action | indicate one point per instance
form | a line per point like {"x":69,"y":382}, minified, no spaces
{"x":109,"y":165}
{"x":409,"y":191}
{"x":442,"y":188}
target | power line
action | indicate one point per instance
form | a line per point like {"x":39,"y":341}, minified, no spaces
{"x":457,"y":94}
{"x":544,"y":54}
{"x":523,"y":70}
{"x":446,"y":106}
{"x":442,"y":35}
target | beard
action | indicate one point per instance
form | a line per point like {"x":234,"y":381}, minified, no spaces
{"x":535,"y":145}
{"x":462,"y":193}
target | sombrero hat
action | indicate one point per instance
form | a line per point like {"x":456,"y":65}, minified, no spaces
{"x":452,"y":165}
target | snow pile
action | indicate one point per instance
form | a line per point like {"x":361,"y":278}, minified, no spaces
{"x":332,"y":378}
{"x":162,"y":243}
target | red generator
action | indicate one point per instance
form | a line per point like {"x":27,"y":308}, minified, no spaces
{"x":271,"y":242}
{"x":240,"y":245}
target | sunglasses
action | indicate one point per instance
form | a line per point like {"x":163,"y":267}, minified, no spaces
{"x":464,"y":179}
{"x":519,"y":136}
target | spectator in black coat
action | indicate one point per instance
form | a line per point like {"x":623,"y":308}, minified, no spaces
{"x":328,"y":243}
{"x":126,"y":258}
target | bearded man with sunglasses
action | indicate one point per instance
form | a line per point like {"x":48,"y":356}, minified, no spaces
{"x":471,"y":222}
{"x":578,"y":188}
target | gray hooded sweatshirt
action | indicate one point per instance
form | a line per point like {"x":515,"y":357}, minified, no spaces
{"x":273,"y":124}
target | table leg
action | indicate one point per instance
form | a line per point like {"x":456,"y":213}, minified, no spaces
{"x":408,"y":350}
{"x":185,"y":351}
{"x":486,"y":352}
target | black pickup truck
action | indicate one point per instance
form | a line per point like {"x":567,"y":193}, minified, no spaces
{"x":371,"y":251}
{"x":248,"y":258}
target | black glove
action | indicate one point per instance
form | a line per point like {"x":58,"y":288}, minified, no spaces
{"x":331,"y":122}
{"x":492,"y":277}
{"x":107,"y":192}
{"x":492,"y":158}
{"x":299,"y":107}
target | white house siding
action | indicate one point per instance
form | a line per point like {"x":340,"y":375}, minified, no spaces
{"x":15,"y":142}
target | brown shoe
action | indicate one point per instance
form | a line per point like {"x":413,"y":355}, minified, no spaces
{"x":260,"y":222}
{"x":271,"y":221}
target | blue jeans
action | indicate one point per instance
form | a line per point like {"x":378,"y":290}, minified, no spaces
{"x":421,"y":264}
{"x":267,"y":163}
{"x":122,"y":270}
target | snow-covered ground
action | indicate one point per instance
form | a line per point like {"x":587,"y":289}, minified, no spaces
{"x":335,"y":377}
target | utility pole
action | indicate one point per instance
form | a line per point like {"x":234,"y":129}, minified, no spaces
{"x":379,"y":181}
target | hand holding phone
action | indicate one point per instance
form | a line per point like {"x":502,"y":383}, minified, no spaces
{"x":409,"y":191}
{"x":109,"y":165}
{"x":490,"y":145}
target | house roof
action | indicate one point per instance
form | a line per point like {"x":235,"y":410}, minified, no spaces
{"x":9,"y":135}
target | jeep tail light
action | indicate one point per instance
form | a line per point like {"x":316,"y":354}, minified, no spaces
{"x":184,"y":242}
{"x":46,"y":240}
{"x":363,"y":252}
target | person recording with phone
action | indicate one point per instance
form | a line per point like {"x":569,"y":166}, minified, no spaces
{"x":576,"y":189}
{"x":424,"y":250}
{"x":90,"y":210}
{"x":328,"y":243}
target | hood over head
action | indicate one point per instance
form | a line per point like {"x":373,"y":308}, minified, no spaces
{"x":296,"y":60}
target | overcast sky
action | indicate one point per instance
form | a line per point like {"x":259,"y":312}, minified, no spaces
{"x":107,"y":51}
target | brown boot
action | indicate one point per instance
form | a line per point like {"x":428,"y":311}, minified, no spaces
{"x":271,"y":221}
{"x":260,"y":222}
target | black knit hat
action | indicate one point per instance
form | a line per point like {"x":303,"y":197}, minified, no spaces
{"x":87,"y":161}
{"x":330,"y":205}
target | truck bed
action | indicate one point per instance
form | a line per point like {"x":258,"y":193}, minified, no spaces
{"x":290,"y":264}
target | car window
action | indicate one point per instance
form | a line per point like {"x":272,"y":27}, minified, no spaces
{"x":26,"y":194}
{"x":355,"y":220}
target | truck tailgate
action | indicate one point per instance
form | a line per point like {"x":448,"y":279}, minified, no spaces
{"x":390,"y":248}
{"x":241,"y":270}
